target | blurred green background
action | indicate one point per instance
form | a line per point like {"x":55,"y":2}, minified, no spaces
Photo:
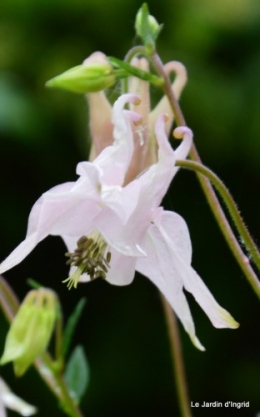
{"x":42,"y":137}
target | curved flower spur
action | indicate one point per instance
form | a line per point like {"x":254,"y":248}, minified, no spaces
{"x":111,"y":230}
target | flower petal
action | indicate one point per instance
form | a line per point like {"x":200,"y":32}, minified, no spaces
{"x":19,"y":253}
{"x":124,"y":239}
{"x":13,"y":402}
{"x":174,"y":230}
{"x":160,"y":267}
{"x":62,"y":210}
{"x":177,"y":86}
{"x":180,"y":246}
{"x":122,"y":269}
{"x":114,"y":160}
{"x":186,"y":134}
{"x":219,"y":317}
{"x":2,"y":409}
{"x":149,"y":188}
{"x":101,"y":127}
{"x":156,"y":180}
{"x":145,"y":146}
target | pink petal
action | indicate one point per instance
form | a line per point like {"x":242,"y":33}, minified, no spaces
{"x":169,"y":270}
{"x":174,"y":230}
{"x":62,"y":210}
{"x":185,"y":134}
{"x":146,"y":192}
{"x":19,"y":253}
{"x":177,"y":86}
{"x":159,"y":266}
{"x":114,"y":160}
{"x":175,"y":233}
{"x":122,"y":269}
{"x":122,"y":238}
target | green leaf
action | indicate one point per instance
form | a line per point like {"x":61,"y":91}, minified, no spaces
{"x":77,"y":373}
{"x":71,"y":324}
{"x":33,"y":283}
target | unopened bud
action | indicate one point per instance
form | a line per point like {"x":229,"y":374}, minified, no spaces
{"x":30,"y":330}
{"x":95,"y":74}
{"x":146,"y":25}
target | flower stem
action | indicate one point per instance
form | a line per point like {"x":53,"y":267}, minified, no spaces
{"x":204,"y":182}
{"x":238,"y":221}
{"x":177,"y":359}
{"x":44,"y":363}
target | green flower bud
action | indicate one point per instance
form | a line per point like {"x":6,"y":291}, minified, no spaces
{"x":146,"y":26}
{"x":95,"y":74}
{"x":30,"y":330}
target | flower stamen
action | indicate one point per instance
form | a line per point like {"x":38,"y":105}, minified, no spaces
{"x":91,"y":256}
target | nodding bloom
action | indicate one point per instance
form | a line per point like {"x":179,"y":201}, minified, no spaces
{"x":9,"y":400}
{"x":112,"y":228}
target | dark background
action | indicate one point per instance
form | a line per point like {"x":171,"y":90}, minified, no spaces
{"x":42,"y":137}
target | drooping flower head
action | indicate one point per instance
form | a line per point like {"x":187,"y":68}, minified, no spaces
{"x":113,"y":228}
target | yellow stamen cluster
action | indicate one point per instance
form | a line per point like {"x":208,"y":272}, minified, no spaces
{"x":90,"y":257}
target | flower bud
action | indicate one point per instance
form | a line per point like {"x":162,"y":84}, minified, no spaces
{"x":146,"y":25}
{"x":30,"y":330}
{"x":95,"y":74}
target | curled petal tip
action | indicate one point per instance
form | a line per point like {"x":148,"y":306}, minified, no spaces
{"x":166,"y":117}
{"x":137,"y":100}
{"x":181,"y":131}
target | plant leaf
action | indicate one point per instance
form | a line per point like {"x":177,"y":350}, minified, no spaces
{"x":77,"y":373}
{"x":71,"y":324}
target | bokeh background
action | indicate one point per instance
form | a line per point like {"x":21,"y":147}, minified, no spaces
{"x":44,"y":133}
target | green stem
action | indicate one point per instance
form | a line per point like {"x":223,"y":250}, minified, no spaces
{"x":204,"y":182}
{"x":44,"y":363}
{"x":58,"y":334}
{"x":136,"y":50}
{"x":177,"y":359}
{"x":60,"y":388}
{"x":236,"y":217}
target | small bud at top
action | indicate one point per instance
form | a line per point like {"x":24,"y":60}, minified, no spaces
{"x":95,"y":74}
{"x":146,"y":26}
{"x":30,"y":330}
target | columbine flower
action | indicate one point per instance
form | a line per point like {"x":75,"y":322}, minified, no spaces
{"x":11,"y":401}
{"x":111,"y":230}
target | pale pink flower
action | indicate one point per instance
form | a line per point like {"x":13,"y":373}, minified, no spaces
{"x":111,"y":229}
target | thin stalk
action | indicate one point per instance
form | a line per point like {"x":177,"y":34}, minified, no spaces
{"x":236,"y":217}
{"x":136,"y":50}
{"x":204,"y":182}
{"x":177,"y":359}
{"x":44,"y":363}
{"x":58,"y":334}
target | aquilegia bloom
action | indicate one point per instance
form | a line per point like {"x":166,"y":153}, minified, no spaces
{"x":112,"y":229}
